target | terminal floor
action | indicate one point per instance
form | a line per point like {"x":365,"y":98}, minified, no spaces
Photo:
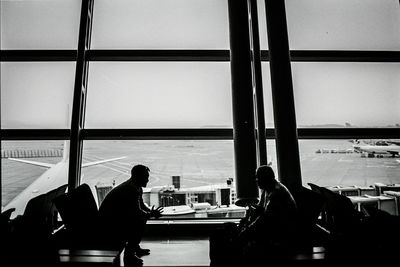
{"x":177,"y":252}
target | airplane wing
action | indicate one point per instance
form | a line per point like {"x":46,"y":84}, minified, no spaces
{"x":36,"y":163}
{"x":100,"y":162}
{"x":393,"y":142}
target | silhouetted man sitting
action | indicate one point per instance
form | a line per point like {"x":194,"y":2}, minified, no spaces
{"x":123,"y":215}
{"x":266,"y":231}
{"x":270,"y":225}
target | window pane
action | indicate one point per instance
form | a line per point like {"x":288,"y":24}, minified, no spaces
{"x":262,"y":24}
{"x":36,"y":95}
{"x":347,"y":94}
{"x":336,"y":163}
{"x":267,"y":93}
{"x":34,"y":166}
{"x":44,"y":24}
{"x":158,"y":95}
{"x":271,"y":156}
{"x":201,"y":170}
{"x":344,"y":24}
{"x":189,"y":24}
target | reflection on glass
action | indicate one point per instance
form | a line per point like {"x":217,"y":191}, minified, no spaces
{"x":36,"y":95}
{"x":29,"y":169}
{"x":189,"y":178}
{"x":159,"y":95}
{"x":27,"y":24}
{"x":167,"y":24}
{"x":344,"y":24}
{"x":347,"y":94}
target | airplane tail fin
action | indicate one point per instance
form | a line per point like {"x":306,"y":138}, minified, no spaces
{"x":355,"y":141}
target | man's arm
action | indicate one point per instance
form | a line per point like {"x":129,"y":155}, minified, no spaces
{"x":143,"y":206}
{"x":147,"y":211}
{"x":142,"y":210}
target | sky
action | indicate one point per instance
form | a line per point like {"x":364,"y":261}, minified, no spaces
{"x":148,"y":95}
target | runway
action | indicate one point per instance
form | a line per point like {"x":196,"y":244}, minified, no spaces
{"x":199,"y":163}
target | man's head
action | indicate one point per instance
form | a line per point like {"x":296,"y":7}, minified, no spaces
{"x":265,"y":177}
{"x":140,"y":175}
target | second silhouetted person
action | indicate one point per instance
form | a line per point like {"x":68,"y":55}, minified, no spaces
{"x":123,"y":215}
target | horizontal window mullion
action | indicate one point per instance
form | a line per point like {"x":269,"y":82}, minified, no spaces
{"x":37,"y":55}
{"x":348,"y":133}
{"x":193,"y":134}
{"x":158,"y":55}
{"x":195,"y":55}
{"x":157,"y":134}
{"x":223,"y":55}
{"x":35,"y":134}
{"x":149,"y":134}
{"x":343,"y":56}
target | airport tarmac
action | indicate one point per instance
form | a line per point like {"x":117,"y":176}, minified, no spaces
{"x":199,"y":163}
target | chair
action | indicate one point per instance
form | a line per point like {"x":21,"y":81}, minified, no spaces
{"x":5,"y":225}
{"x":41,"y":212}
{"x":309,"y":206}
{"x":79,"y":213}
{"x":102,"y":191}
{"x":341,"y":212}
{"x":315,"y":188}
{"x":325,"y":219}
{"x":32,"y":231}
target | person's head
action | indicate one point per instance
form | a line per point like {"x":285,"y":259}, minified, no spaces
{"x":140,"y":175}
{"x":265,"y":177}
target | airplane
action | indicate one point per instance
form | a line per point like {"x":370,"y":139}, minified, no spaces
{"x":378,"y":148}
{"x":397,"y":143}
{"x":55,"y":176}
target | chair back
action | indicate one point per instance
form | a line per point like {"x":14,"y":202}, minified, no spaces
{"x":41,"y":212}
{"x":78,"y":208}
{"x":309,"y":205}
{"x":80,"y":215}
{"x":343,"y":215}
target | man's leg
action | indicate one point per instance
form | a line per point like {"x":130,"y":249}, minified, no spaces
{"x":224,"y":249}
{"x":135,"y":237}
{"x":130,"y":258}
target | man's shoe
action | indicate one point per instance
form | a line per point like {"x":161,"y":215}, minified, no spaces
{"x":131,"y":259}
{"x":142,"y":252}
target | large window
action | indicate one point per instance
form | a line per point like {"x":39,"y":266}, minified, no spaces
{"x":157,"y":91}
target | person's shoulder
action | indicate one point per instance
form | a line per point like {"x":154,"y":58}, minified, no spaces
{"x":281,"y":190}
{"x":123,"y":188}
{"x":281,"y":187}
